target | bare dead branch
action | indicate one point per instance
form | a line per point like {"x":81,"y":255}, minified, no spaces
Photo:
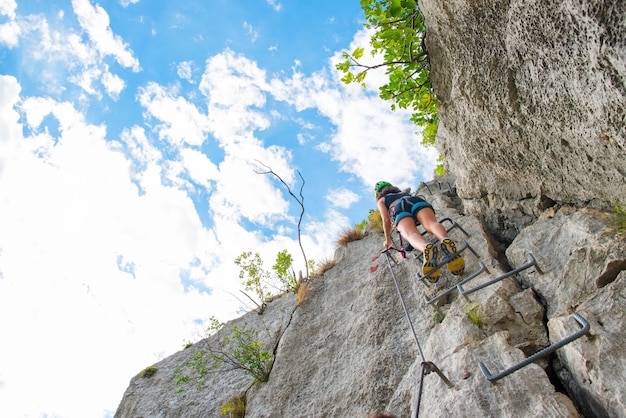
{"x":300,"y":202}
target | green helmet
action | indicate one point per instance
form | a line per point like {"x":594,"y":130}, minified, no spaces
{"x":380,"y":185}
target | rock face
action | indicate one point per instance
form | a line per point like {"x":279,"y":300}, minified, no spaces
{"x":533,"y":104}
{"x":590,"y":279}
{"x":348,"y":349}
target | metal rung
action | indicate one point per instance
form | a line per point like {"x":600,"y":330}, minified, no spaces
{"x":531,"y":262}
{"x":464,"y":247}
{"x":453,"y":225}
{"x":482,"y":269}
{"x":548,"y":350}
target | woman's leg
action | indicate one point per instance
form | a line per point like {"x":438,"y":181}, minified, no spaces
{"x":409,"y":232}
{"x":408,"y":229}
{"x":426,"y":217}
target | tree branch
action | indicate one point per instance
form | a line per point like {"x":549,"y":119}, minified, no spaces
{"x":300,"y":202}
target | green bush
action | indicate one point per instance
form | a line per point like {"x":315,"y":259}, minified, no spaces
{"x":148,"y":371}
{"x":236,"y":408}
{"x":240,"y":349}
{"x":375,"y":220}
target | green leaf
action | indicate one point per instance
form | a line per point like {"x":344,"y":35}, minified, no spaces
{"x":396,"y":8}
{"x":348,"y":78}
{"x":358,"y":53}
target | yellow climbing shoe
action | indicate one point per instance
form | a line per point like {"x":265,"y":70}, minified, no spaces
{"x":456,"y":265}
{"x":430,"y":263}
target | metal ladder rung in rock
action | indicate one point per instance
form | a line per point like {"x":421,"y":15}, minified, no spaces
{"x":447,"y":184}
{"x":464,"y":246}
{"x":481,"y":270}
{"x":439,"y":184}
{"x":531,"y":262}
{"x":453,"y":225}
{"x":542,"y":353}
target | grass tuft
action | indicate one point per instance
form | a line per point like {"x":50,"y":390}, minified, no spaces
{"x":474,"y":314}
{"x":301,"y":293}
{"x":618,"y":220}
{"x":349,"y":235}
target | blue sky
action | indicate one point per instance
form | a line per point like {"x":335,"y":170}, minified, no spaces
{"x":131,"y":133}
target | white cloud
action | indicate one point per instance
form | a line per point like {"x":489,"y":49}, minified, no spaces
{"x":369,"y":141}
{"x":200,"y":168}
{"x":185,"y":70}
{"x":275,"y":5}
{"x":254,"y":35}
{"x":342,"y":198}
{"x":181,"y":121}
{"x":9,"y":96}
{"x":72,"y":224}
{"x":10,"y":34}
{"x":113,"y":84}
{"x":56,"y":54}
{"x":7,"y":8}
{"x":95,"y":21}
{"x":233,"y":81}
{"x":126,"y":3}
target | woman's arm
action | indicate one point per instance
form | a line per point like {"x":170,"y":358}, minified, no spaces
{"x":384,"y":214}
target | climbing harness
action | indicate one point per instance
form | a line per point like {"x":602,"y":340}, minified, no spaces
{"x":427,"y":366}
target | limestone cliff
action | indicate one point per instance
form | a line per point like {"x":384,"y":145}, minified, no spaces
{"x":532,"y":126}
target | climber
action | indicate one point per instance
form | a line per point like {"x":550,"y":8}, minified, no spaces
{"x":407,"y":212}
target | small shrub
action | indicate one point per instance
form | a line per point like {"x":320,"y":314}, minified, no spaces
{"x":361,"y":226}
{"x":236,"y":408}
{"x":241,"y":349}
{"x":148,"y":372}
{"x":440,"y":170}
{"x":285,"y":272}
{"x":324,"y":266}
{"x":349,"y":235}
{"x":438,"y":317}
{"x":375,"y":220}
{"x":474,"y":314}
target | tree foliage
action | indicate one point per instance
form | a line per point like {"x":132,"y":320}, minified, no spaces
{"x":252,"y":274}
{"x":256,"y":279}
{"x":399,"y":34}
{"x":240,"y":349}
{"x":283,"y":267}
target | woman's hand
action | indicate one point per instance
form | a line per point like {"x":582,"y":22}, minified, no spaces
{"x":387,"y":244}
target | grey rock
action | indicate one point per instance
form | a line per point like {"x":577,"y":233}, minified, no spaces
{"x":594,"y":368}
{"x":577,"y":253}
{"x":533,"y":104}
